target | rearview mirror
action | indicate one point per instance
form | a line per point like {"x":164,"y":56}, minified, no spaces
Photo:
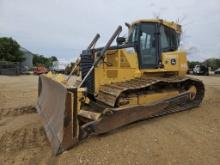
{"x":120,"y":40}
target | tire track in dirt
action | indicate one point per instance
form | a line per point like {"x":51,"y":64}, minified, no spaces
{"x":12,"y":112}
{"x":24,"y":138}
{"x":20,"y":129}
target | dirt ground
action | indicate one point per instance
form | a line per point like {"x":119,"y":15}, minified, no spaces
{"x":190,"y":137}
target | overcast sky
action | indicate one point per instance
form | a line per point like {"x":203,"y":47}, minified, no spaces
{"x":63,"y":27}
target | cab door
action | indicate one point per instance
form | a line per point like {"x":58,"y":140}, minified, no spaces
{"x":148,"y":46}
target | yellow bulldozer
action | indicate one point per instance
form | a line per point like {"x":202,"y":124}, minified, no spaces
{"x":141,"y":77}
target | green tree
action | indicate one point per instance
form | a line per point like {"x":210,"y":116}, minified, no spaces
{"x":42,"y":60}
{"x":53,"y":58}
{"x":214,"y":63}
{"x":9,"y":50}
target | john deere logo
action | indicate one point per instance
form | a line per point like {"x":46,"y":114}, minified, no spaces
{"x":173,"y":61}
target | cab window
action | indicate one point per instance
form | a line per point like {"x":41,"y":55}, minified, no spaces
{"x":168,"y":39}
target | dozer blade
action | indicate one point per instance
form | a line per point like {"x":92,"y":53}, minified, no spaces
{"x":55,"y":106}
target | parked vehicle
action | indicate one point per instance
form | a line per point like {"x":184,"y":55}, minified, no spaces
{"x":59,"y":66}
{"x":40,"y":70}
{"x":217,"y":71}
{"x":201,"y":70}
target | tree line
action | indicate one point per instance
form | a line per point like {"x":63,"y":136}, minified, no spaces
{"x":10,"y":52}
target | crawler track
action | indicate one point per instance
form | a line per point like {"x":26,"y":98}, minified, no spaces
{"x":115,"y":116}
{"x":110,"y":94}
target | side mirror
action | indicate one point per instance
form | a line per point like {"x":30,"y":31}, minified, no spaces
{"x":128,"y":25}
{"x":120,"y":40}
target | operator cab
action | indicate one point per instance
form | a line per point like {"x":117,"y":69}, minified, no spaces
{"x":150,"y":40}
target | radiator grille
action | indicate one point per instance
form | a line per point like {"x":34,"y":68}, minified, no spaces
{"x":85,"y":64}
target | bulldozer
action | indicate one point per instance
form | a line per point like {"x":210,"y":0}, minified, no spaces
{"x":140,"y":77}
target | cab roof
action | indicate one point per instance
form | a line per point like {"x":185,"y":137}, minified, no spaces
{"x":169,"y":24}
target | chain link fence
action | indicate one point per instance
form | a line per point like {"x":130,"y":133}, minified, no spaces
{"x":10,"y":68}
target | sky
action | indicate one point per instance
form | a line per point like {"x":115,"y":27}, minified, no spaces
{"x":63,"y":28}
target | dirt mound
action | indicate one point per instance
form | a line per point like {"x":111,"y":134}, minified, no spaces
{"x":9,"y":112}
{"x":24,"y":138}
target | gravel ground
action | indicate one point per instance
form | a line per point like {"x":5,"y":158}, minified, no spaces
{"x":190,"y":137}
